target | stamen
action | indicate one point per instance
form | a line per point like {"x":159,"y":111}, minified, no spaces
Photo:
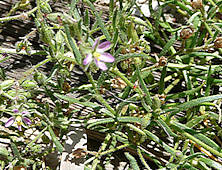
{"x":97,"y":55}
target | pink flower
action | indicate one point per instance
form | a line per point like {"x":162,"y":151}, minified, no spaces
{"x":19,"y":119}
{"x":99,"y":55}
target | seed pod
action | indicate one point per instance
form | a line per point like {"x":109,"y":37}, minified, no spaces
{"x":19,"y":168}
{"x":186,"y":33}
{"x":218,"y":43}
{"x":196,"y":4}
{"x":66,"y":87}
{"x":162,"y":61}
{"x":219,"y":15}
{"x":118,"y":83}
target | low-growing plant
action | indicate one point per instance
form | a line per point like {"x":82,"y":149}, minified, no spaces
{"x":150,"y":79}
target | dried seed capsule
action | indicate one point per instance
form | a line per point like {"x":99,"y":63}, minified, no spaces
{"x":219,"y":15}
{"x":218,"y":43}
{"x":186,"y":33}
{"x":196,"y":4}
{"x":162,"y":61}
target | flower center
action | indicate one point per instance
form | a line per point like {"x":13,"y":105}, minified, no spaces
{"x":96,"y":55}
{"x":18,"y":120}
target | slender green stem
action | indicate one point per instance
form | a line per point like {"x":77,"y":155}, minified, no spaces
{"x":208,"y":29}
{"x":212,"y":3}
{"x":103,"y":147}
{"x":114,"y":149}
{"x":173,"y":84}
{"x":28,"y":72}
{"x":207,"y":147}
{"x":104,"y":102}
{"x":90,"y":77}
{"x":36,"y":138}
{"x":119,"y":74}
{"x":98,"y":96}
{"x":142,"y":159}
{"x":17,"y":17}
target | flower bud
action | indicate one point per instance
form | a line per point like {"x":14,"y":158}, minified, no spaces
{"x":186,"y":33}
{"x":196,"y":4}
{"x":24,"y":16}
{"x":39,"y":78}
{"x":218,"y":43}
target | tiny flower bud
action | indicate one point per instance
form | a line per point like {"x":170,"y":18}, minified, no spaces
{"x":24,"y":16}
{"x":196,"y":4}
{"x":218,"y":43}
{"x":15,"y":110}
{"x":186,"y":33}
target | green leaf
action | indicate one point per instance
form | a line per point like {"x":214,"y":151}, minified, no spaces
{"x":73,"y":100}
{"x":190,"y":157}
{"x":201,"y":54}
{"x":55,"y":140}
{"x":166,"y":128}
{"x":184,"y":93}
{"x":190,"y":167}
{"x":129,"y":119}
{"x":73,"y":45}
{"x":100,"y":22}
{"x":196,"y":120}
{"x":96,"y":122}
{"x":211,"y":163}
{"x":207,"y":141}
{"x":192,"y":103}
{"x":168,"y":45}
{"x":128,"y":56}
{"x":145,"y":89}
{"x":159,"y":141}
{"x":126,"y":119}
{"x":136,"y":129}
{"x":6,"y":84}
{"x":198,"y":138}
{"x":15,"y":151}
{"x":132,"y":160}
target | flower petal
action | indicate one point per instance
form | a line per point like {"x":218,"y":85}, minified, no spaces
{"x":95,"y":44}
{"x":19,"y":127}
{"x":107,"y":57}
{"x":15,"y":110}
{"x":103,"y":46}
{"x":27,"y":121}
{"x":10,"y":121}
{"x":88,"y":59}
{"x":25,"y":112}
{"x":101,"y":65}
